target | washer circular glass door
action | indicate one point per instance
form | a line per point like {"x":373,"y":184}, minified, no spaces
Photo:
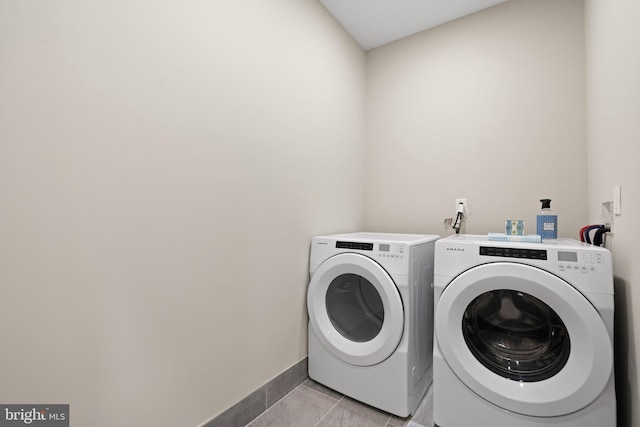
{"x":355,"y":309}
{"x":516,"y":335}
{"x":523,"y":339}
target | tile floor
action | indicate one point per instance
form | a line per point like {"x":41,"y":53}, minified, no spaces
{"x":312,"y":405}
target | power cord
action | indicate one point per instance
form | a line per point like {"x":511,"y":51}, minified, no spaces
{"x":459,"y":217}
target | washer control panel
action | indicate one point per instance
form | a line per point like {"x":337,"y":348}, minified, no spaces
{"x":583,"y":262}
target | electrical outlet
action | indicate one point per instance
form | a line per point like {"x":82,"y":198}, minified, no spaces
{"x":465,"y":207}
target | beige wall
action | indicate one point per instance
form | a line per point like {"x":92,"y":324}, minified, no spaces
{"x":163,"y":166}
{"x":613,"y":94}
{"x":491,"y":108}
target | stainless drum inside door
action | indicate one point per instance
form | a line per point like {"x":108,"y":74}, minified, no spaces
{"x":515,"y":335}
{"x":355,"y":309}
{"x":523,"y":339}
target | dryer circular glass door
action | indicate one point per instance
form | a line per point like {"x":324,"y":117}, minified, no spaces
{"x":355,"y":309}
{"x":523,"y":339}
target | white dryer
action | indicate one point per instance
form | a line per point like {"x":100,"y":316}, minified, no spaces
{"x":523,"y":334}
{"x":370,"y":303}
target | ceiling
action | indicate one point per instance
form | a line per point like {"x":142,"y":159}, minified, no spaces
{"x":373,"y":23}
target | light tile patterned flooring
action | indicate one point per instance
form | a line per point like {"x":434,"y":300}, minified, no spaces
{"x":313,"y":405}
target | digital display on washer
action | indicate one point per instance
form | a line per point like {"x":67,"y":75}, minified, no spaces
{"x":355,"y":245}
{"x":568,"y":256}
{"x":540,"y":254}
{"x":384,"y":247}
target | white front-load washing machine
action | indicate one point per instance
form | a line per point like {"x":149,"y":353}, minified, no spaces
{"x":370,"y":304}
{"x":523,"y":334}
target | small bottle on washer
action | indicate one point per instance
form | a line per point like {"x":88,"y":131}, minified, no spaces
{"x":547,"y":221}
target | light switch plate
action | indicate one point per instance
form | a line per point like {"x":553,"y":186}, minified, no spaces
{"x":617,"y":200}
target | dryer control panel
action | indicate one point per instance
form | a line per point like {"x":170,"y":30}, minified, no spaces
{"x":394,"y":257}
{"x":390,"y":250}
{"x":361,"y":246}
{"x":378,"y":250}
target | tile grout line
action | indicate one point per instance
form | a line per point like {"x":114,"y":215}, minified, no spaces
{"x":386,"y":424}
{"x":321,"y":393}
{"x":329,"y":411}
{"x":274,"y":403}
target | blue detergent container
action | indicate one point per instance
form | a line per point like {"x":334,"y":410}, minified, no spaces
{"x":547,"y":221}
